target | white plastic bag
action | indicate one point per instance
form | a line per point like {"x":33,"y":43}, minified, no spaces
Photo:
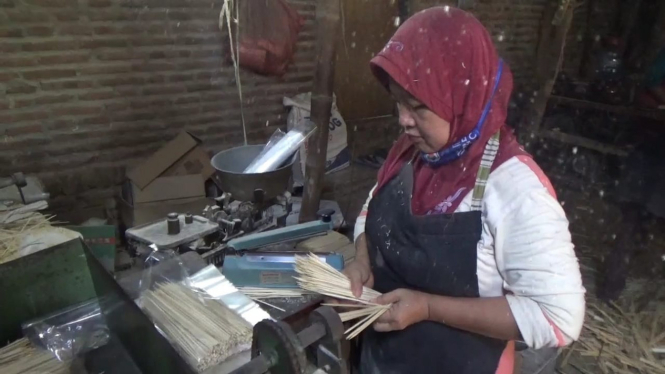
{"x":338,"y":156}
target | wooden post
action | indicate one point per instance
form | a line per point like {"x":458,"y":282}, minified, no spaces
{"x":549,"y":68}
{"x":328,"y":22}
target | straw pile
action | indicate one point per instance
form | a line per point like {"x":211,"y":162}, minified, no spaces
{"x":626,"y":337}
{"x":319,"y":277}
{"x":205,"y":332}
{"x":12,"y":234}
{"x":21,"y":357}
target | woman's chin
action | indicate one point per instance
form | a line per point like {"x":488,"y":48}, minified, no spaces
{"x":422,"y":147}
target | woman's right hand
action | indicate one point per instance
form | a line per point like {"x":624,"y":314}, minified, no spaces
{"x":360,"y":274}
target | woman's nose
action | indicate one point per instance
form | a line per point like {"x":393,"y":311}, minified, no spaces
{"x":406,"y":120}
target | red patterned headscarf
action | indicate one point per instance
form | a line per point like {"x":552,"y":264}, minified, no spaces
{"x":445,"y":58}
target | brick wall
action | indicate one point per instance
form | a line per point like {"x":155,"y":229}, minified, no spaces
{"x":515,"y":28}
{"x":90,"y":86}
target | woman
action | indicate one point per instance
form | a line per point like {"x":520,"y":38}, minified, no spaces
{"x":462,"y":233}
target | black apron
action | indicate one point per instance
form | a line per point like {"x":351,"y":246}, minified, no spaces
{"x":436,"y":254}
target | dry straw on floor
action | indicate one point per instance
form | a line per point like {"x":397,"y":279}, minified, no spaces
{"x":319,"y":277}
{"x":204,"y":331}
{"x":21,"y":357}
{"x":625,"y":337}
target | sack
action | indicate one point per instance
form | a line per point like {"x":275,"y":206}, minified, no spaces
{"x":268,"y":35}
{"x":338,"y":156}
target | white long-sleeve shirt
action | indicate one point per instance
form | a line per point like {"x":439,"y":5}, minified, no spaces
{"x":526,"y":253}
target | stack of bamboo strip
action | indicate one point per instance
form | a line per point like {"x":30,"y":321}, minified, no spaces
{"x":260,"y":294}
{"x":12,"y":234}
{"x":272,"y":293}
{"x":21,"y":357}
{"x":625,"y":337}
{"x":205,"y":332}
{"x":319,"y":277}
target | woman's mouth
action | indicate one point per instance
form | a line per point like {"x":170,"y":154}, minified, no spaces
{"x":415,"y":139}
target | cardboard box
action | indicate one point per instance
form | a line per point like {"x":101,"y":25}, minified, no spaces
{"x":171,"y":180}
{"x":181,"y":156}
{"x":101,"y":241}
{"x":165,"y":188}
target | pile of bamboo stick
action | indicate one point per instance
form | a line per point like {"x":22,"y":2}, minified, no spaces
{"x":12,"y":234}
{"x":625,"y":337}
{"x":319,"y":277}
{"x":21,"y":357}
{"x":204,"y":331}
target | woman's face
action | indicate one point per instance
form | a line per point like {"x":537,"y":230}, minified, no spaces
{"x":428,"y":131}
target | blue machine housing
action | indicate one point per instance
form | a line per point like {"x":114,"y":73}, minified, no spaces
{"x":270,"y":269}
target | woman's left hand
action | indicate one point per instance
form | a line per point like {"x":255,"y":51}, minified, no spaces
{"x":408,"y":307}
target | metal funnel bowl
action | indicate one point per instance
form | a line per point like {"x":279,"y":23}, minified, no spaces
{"x":231,"y":163}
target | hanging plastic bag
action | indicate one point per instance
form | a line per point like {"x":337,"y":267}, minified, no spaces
{"x":268,"y":35}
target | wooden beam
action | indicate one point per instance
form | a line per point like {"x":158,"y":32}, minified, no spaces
{"x":556,"y":40}
{"x":328,"y":24}
{"x":584,"y":143}
{"x":655,"y":114}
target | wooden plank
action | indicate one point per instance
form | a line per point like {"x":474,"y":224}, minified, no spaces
{"x":550,"y":62}
{"x":328,"y":25}
{"x":654,"y":114}
{"x":583,"y":142}
{"x":366,"y":28}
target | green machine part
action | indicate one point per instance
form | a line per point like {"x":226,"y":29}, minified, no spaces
{"x":68,"y":274}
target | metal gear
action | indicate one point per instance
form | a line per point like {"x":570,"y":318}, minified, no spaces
{"x":276,"y":340}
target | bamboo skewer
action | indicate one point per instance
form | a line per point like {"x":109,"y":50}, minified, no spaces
{"x":205,"y":332}
{"x":22,"y":357}
{"x":319,"y":277}
{"x":271,"y":293}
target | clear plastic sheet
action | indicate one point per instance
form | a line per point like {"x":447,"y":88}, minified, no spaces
{"x":274,"y":139}
{"x":204,"y":317}
{"x":215,"y":285}
{"x":275,"y":156}
{"x":70,"y":332}
{"x":151,"y":277}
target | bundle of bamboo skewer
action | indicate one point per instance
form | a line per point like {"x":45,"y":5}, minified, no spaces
{"x":205,"y":332}
{"x":21,"y":357}
{"x":319,"y":277}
